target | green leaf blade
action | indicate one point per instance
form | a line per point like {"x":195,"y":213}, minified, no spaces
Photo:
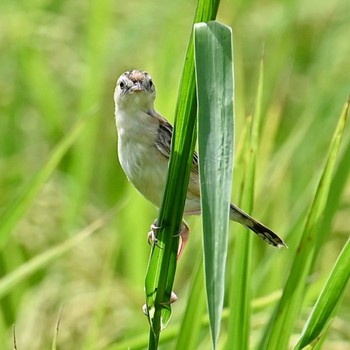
{"x":327,"y":301}
{"x":214,"y":74}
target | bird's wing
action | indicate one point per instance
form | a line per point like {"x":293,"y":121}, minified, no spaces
{"x":163,"y":142}
{"x":164,"y":136}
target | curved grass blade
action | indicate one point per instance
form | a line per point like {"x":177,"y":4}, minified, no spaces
{"x":8,"y":282}
{"x":94,"y":42}
{"x":240,"y":300}
{"x":338,"y":185}
{"x":14,"y":337}
{"x":214,"y":75}
{"x":327,"y":301}
{"x":57,"y":328}
{"x":162,"y":264}
{"x":281,"y":325}
{"x":172,"y":333}
{"x":191,"y":324}
{"x":21,"y":203}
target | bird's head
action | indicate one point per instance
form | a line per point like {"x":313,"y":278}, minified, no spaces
{"x":135,"y":89}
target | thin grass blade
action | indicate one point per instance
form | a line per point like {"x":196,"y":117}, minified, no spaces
{"x":55,"y":334}
{"x":94,"y":42}
{"x":8,"y":282}
{"x":21,"y":203}
{"x":327,"y":301}
{"x":191,"y":324}
{"x":281,"y":325}
{"x":240,"y":299}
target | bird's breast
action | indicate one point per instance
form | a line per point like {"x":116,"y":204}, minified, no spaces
{"x":143,"y":164}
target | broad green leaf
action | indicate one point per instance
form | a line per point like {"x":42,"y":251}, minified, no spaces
{"x":214,"y":75}
{"x":327,"y":301}
{"x":282,"y":322}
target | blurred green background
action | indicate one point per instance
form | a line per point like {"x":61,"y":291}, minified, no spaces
{"x":59,"y":61}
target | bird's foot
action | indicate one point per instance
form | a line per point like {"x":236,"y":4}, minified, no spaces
{"x":183,"y":233}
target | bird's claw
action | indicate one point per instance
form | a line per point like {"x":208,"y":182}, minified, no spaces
{"x":173,"y":298}
{"x":151,"y":236}
{"x":183,"y":233}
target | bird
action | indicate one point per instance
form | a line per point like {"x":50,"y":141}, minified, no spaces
{"x":144,"y":144}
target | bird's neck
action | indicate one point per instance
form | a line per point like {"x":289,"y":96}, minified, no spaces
{"x":133,"y":121}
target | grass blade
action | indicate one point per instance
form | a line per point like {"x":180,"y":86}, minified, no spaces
{"x":327,"y":301}
{"x":27,"y":269}
{"x":94,"y":43}
{"x":18,"y":207}
{"x":240,"y":300}
{"x":57,"y":328}
{"x":282,"y":322}
{"x":191,"y":324}
{"x":214,"y":74}
{"x":174,"y":332}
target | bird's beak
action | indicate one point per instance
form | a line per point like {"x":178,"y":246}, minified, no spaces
{"x":137,"y":87}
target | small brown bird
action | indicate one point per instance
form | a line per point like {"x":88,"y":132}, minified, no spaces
{"x":144,"y":141}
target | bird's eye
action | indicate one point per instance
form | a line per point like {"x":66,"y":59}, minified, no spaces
{"x":150,"y":83}
{"x":122,"y":85}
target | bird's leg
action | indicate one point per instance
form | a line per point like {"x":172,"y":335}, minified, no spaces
{"x":184,"y":234}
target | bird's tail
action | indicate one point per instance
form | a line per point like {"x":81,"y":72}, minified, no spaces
{"x":237,"y":214}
